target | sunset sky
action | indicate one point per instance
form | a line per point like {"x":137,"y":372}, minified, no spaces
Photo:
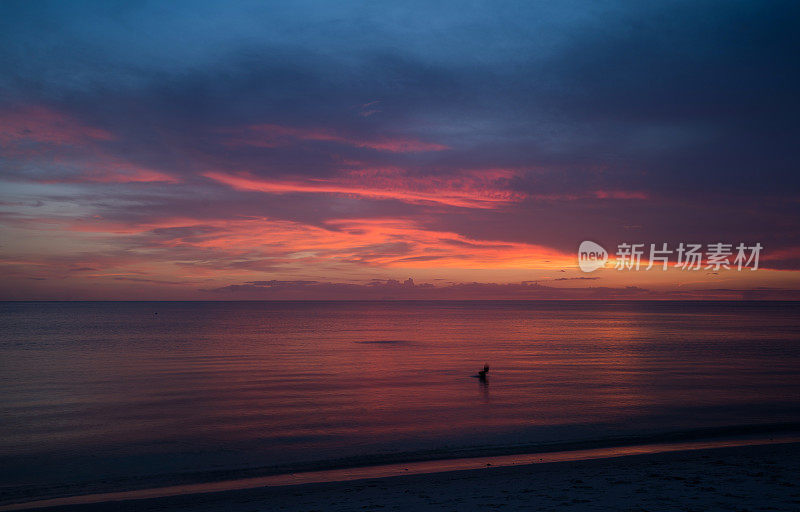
{"x":333,"y":150}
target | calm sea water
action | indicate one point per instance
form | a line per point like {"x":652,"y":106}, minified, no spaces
{"x":109,"y":390}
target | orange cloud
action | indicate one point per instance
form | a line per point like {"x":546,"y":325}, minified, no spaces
{"x":381,"y":243}
{"x":441,"y":249}
{"x":184,"y":250}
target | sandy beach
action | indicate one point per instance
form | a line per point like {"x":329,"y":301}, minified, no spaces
{"x":736,"y":478}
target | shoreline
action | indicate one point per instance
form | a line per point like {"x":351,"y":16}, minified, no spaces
{"x":99,"y":485}
{"x":398,"y":470}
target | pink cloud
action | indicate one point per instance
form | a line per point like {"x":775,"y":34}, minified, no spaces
{"x":620,"y":194}
{"x":116,"y":174}
{"x":467,"y":191}
{"x":43,"y":125}
{"x":271,"y":135}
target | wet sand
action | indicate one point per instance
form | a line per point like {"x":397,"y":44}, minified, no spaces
{"x":733,"y":478}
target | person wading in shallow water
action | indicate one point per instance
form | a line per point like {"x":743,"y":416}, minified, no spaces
{"x":482,"y":374}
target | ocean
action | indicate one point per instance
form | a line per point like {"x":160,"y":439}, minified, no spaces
{"x":96,"y":394}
